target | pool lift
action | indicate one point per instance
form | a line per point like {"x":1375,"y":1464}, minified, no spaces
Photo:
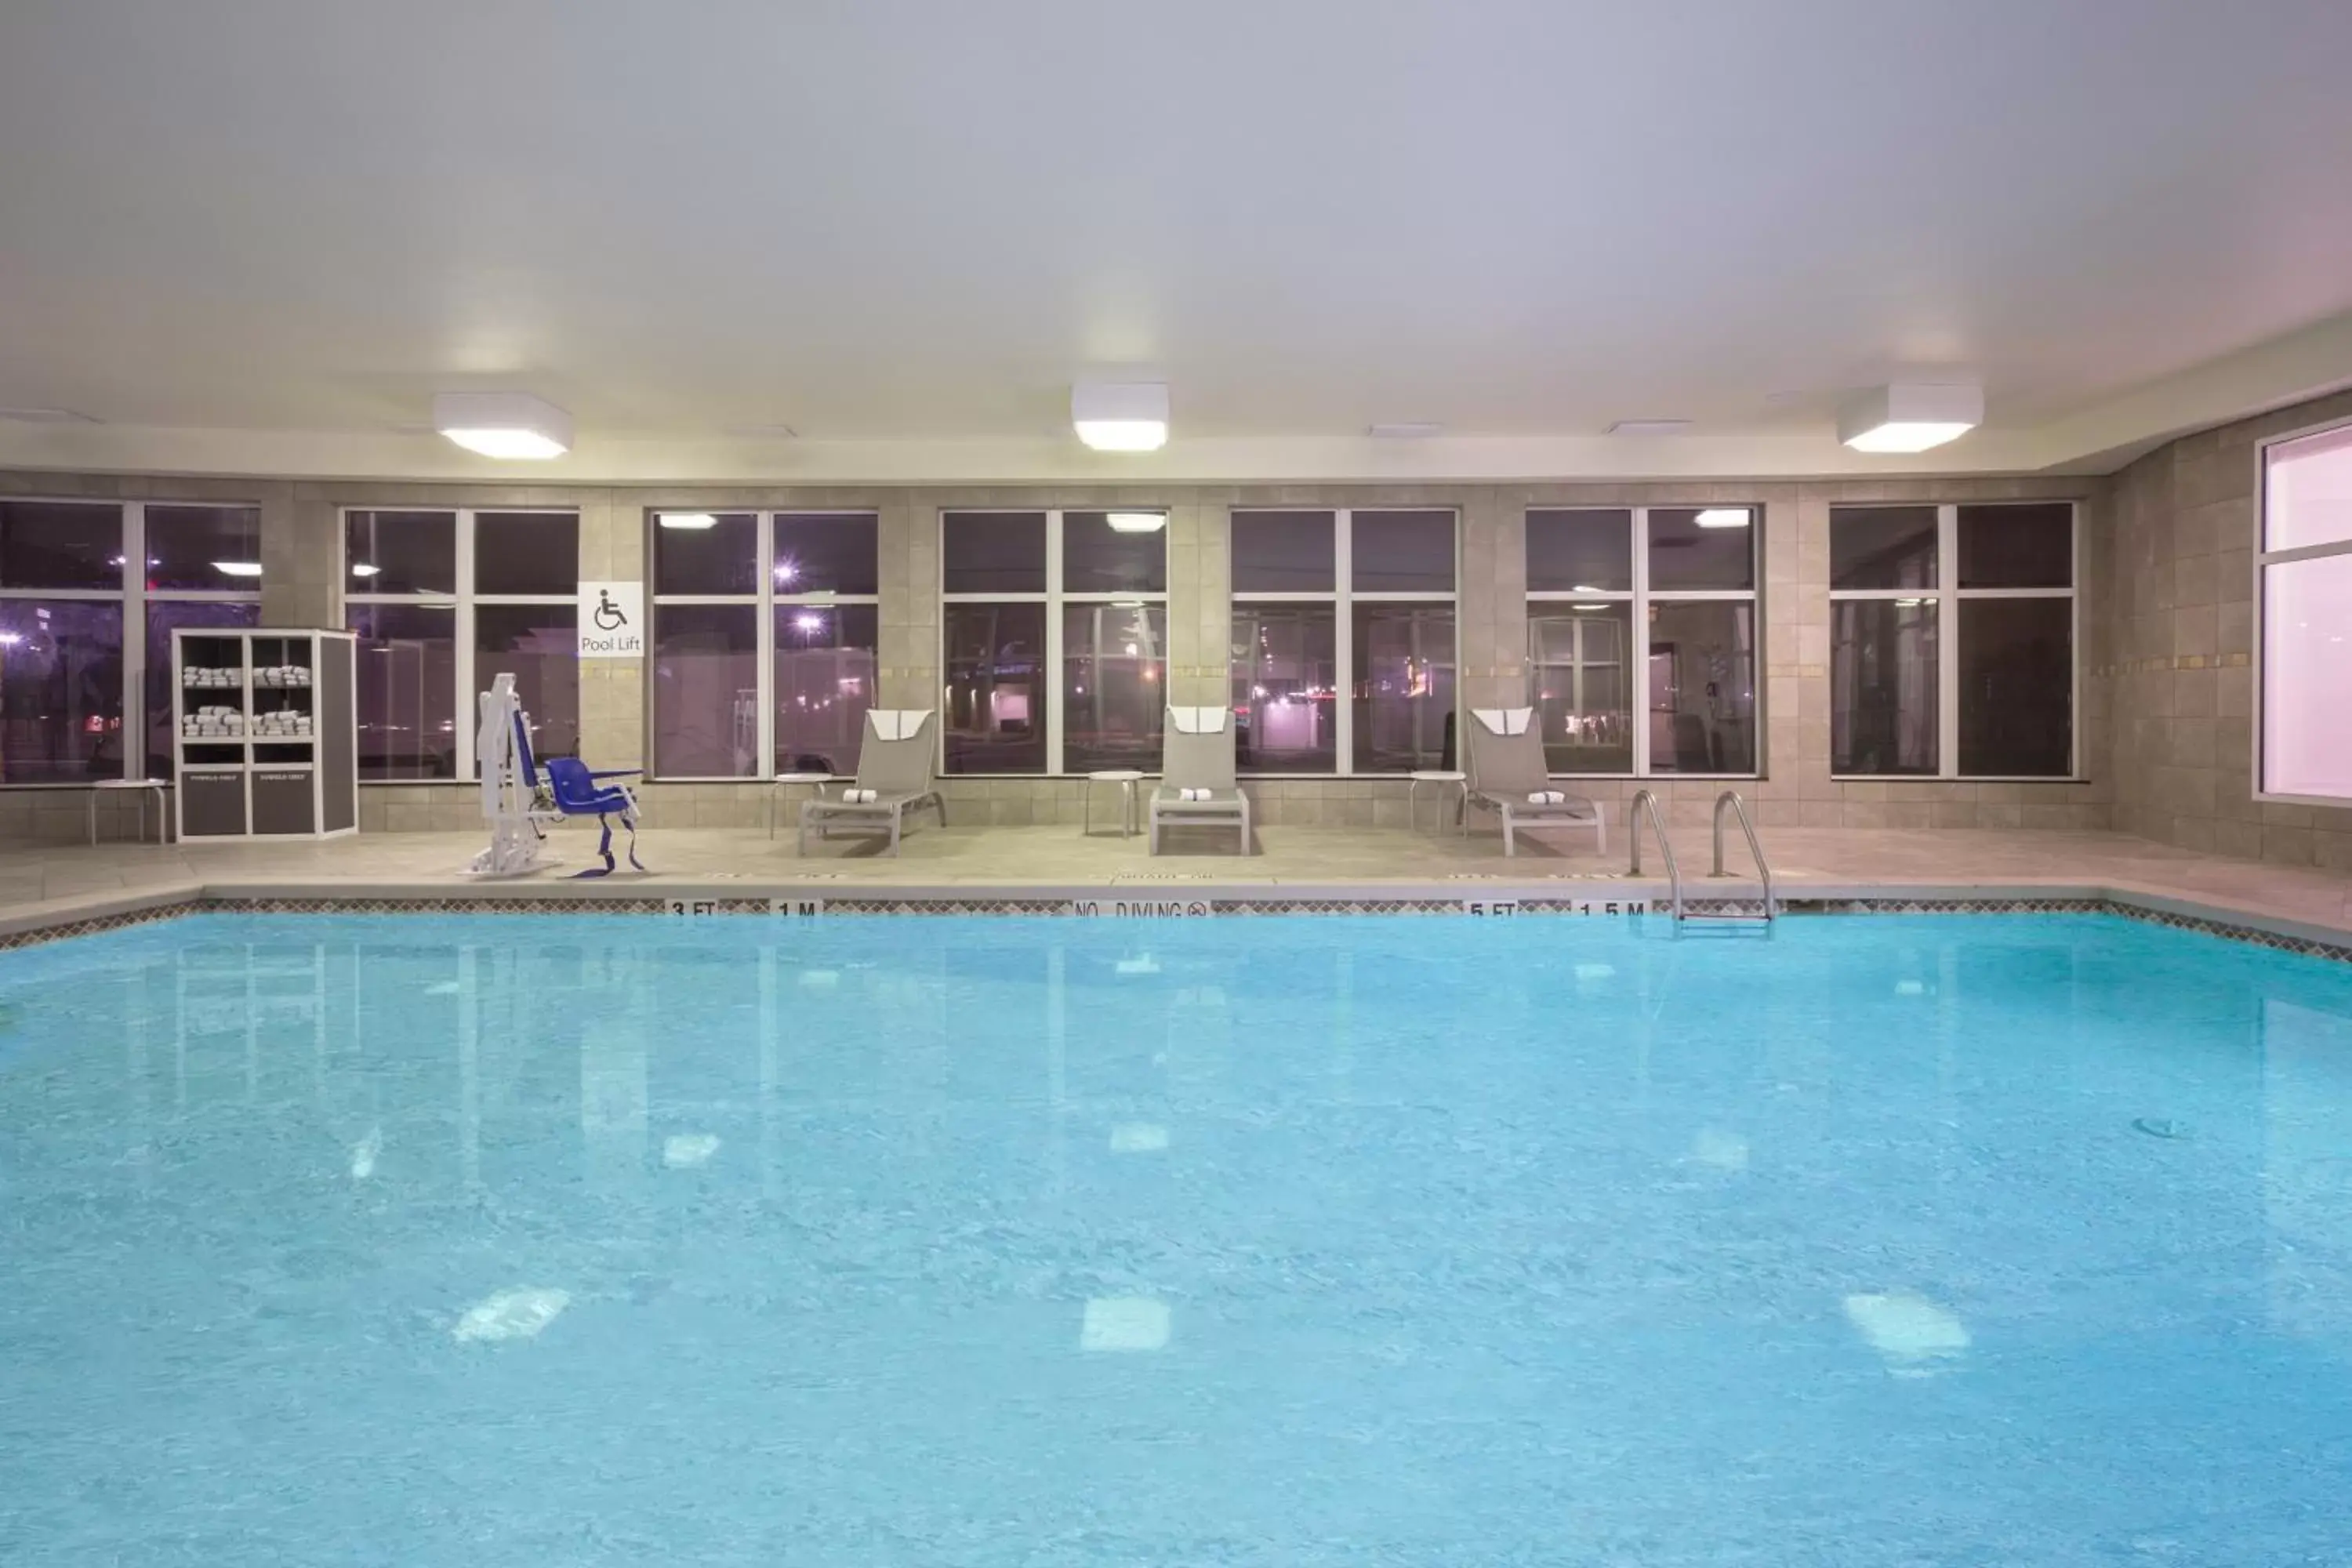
{"x":1646,"y":803}
{"x":520,"y":807}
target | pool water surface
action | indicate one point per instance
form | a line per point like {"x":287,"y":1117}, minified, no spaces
{"x":432,"y":1241}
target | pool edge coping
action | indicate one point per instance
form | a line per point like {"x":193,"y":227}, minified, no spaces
{"x":57,"y":920}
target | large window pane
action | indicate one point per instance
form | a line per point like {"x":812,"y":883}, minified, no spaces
{"x":2017,"y":546}
{"x":1883,"y":709}
{"x":164,"y":616}
{"x":993,"y":552}
{"x":2306,"y":671}
{"x":1404,"y":686}
{"x":185,"y":544}
{"x":60,"y":544}
{"x":539,"y":644}
{"x":408,"y":691}
{"x":1581,"y":676}
{"x":1401,"y":551}
{"x":2017,"y":688}
{"x":1702,"y":691}
{"x":824,"y":684}
{"x":706,"y":553}
{"x":1580,"y":552}
{"x":60,"y":692}
{"x":707,"y":691}
{"x":1691,"y":551}
{"x":2307,"y":491}
{"x":1284,"y":553}
{"x":1286,"y":671}
{"x":996,"y":687}
{"x":1114,"y":686}
{"x":1883,"y":547}
{"x":526,"y":552}
{"x":401,"y":551}
{"x":827,"y":553}
{"x":1099,"y":558}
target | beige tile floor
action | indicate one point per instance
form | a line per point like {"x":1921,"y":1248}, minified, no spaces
{"x":48,"y":884}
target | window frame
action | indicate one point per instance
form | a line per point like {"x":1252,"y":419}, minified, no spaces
{"x":2263,"y":556}
{"x":1343,"y":597}
{"x":1641,"y":596}
{"x":1053,"y":598}
{"x":766,"y":602}
{"x":1948,"y":595}
{"x":132,"y":596}
{"x":462,"y":599}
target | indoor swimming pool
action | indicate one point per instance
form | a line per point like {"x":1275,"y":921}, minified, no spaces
{"x":457,"y":1240}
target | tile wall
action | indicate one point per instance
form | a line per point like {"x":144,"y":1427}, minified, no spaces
{"x":303,"y":585}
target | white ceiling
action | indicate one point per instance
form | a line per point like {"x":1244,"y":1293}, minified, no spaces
{"x":259,"y":234}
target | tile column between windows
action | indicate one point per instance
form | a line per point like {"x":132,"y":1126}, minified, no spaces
{"x":613,"y":690}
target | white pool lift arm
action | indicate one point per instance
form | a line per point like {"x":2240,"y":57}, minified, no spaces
{"x":509,"y":802}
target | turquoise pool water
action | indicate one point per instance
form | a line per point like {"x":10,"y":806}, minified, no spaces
{"x":467,"y":1241}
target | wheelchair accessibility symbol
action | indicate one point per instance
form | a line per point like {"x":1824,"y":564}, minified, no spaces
{"x":609,"y":614}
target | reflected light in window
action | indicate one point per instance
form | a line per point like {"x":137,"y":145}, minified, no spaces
{"x":693,"y":522}
{"x":238,"y":568}
{"x":809,"y":621}
{"x":1724,"y":517}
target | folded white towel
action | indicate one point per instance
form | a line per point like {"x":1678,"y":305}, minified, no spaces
{"x":864,"y":796}
{"x":1195,"y":793}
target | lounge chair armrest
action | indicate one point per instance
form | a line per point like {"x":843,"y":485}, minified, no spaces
{"x":614,"y":772}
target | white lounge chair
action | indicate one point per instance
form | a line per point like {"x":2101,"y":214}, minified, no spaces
{"x":895,"y":767}
{"x":1508,"y":776}
{"x":1197,"y":760}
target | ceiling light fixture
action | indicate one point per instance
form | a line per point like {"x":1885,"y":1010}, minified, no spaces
{"x":1649,"y":427}
{"x":1137,"y":522}
{"x":690,"y":521}
{"x":363,"y":569}
{"x":509,"y":424}
{"x":1120,"y":416}
{"x":1724,"y":517}
{"x":238,"y":568}
{"x":1910,"y":417}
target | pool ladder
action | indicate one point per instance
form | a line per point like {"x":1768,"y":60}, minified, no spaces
{"x":1646,"y":803}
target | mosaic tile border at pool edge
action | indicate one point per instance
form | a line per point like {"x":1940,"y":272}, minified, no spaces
{"x":1798,"y":906}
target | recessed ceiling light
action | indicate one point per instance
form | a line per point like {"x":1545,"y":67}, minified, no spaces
{"x":1910,"y":417}
{"x":1724,"y":517}
{"x":1405,"y":430}
{"x":690,"y":521}
{"x":1120,"y":416}
{"x":1649,"y":427}
{"x":506,"y":424}
{"x":1137,"y":522}
{"x":238,"y":568}
{"x":44,"y":416}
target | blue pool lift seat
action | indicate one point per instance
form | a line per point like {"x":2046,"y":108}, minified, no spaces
{"x":574,"y":789}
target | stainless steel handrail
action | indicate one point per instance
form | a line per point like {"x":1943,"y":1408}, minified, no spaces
{"x":1731,"y":797}
{"x":1643,"y":799}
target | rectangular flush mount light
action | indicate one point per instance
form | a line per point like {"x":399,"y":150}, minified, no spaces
{"x":1724,"y":517}
{"x":1910,"y":417}
{"x":692,"y":522}
{"x":1120,"y":416}
{"x":503,"y":423}
{"x":1137,"y":522}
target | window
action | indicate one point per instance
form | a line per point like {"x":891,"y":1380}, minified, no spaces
{"x":1952,"y":640}
{"x":1685,"y":701}
{"x":441,"y":603}
{"x":765,"y":627}
{"x":1353,"y":602}
{"x":90,"y":593}
{"x":1055,"y":640}
{"x":2304,"y":600}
